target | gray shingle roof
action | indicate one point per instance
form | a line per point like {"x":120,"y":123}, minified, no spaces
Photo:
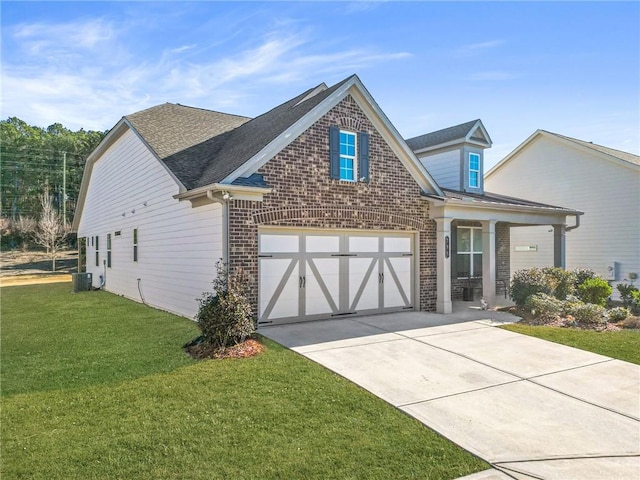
{"x":626,"y":156}
{"x":496,"y":198}
{"x":202,"y":147}
{"x":441,"y":136}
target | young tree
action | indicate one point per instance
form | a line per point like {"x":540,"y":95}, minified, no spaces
{"x":50,"y":232}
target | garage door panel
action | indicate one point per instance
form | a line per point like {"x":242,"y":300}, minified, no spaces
{"x":322,"y":286}
{"x":279,"y":243}
{"x":279,"y":288}
{"x":363,"y":243}
{"x":397,"y":244}
{"x":397,"y":282}
{"x":322,"y":243}
{"x":363,"y":284}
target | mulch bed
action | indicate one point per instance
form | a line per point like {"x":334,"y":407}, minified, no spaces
{"x":201,"y":351}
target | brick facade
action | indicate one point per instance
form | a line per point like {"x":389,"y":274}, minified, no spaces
{"x":304,"y":195}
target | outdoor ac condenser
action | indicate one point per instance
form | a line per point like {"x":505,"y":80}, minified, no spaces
{"x":81,"y":282}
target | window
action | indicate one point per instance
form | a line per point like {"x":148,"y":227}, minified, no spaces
{"x":474,"y":170}
{"x":109,"y":250}
{"x":469,"y":252}
{"x":97,"y":252}
{"x":348,"y":164}
{"x":348,"y":155}
{"x":135,"y":244}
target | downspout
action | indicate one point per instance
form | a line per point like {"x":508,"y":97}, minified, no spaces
{"x":577,"y":215}
{"x":225,"y":222}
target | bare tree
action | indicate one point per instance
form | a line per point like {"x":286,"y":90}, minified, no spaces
{"x":50,"y":232}
{"x":26,"y":227}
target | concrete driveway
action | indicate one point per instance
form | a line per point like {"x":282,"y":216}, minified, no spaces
{"x":531,"y":408}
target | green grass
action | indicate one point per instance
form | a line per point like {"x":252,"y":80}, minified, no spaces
{"x":623,"y":344}
{"x":95,"y":386}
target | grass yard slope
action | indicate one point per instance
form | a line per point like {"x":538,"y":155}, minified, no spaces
{"x":623,"y":344}
{"x":96,"y":386}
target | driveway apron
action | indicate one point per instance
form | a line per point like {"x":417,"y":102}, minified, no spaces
{"x":530,"y":408}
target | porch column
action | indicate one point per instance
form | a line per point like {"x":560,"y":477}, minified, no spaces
{"x":489,"y":261}
{"x":559,"y":251}
{"x":444,"y":251}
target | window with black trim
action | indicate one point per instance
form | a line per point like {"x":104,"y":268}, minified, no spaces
{"x":135,"y":244}
{"x":97,"y":251}
{"x":109,"y":250}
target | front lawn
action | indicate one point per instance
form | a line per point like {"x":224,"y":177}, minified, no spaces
{"x":96,"y":386}
{"x":623,"y":344}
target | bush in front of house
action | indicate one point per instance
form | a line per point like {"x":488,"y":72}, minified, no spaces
{"x":595,"y":290}
{"x":545,"y":307}
{"x":225,"y":316}
{"x":584,"y":274}
{"x":526,"y":283}
{"x":562,"y":282}
{"x":630,"y":296}
{"x":588,"y":314}
{"x":618,"y":314}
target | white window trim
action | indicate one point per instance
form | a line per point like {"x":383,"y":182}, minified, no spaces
{"x":474,"y":170}
{"x":354,"y":157}
{"x":471,"y":252}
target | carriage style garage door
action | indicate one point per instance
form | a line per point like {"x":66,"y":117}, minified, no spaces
{"x":315,"y":274}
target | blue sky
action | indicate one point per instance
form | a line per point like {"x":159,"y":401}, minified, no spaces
{"x":572,"y":68}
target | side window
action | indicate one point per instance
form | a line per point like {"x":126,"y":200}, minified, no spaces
{"x":97,"y":251}
{"x":135,"y":244}
{"x":474,"y":170}
{"x":109,"y":250}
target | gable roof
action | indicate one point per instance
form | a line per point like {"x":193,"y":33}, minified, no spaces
{"x":471,"y":132}
{"x":626,"y":156}
{"x":612,"y":154}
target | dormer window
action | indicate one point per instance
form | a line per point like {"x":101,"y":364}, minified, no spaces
{"x":474,"y":170}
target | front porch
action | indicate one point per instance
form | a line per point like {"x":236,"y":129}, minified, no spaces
{"x":473,"y":244}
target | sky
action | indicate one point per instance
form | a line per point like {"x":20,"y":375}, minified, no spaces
{"x":567,"y":67}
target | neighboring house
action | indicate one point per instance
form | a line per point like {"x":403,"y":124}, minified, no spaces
{"x":320,"y":201}
{"x":602,"y":182}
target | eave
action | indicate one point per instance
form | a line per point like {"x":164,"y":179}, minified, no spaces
{"x":222,"y":192}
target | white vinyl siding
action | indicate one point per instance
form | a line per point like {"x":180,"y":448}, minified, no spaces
{"x":444,"y":168}
{"x":552,"y":172}
{"x":179,"y":245}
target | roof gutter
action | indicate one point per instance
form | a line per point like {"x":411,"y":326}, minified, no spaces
{"x":577,"y":215}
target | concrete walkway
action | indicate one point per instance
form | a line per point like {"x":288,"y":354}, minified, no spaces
{"x":530,"y":408}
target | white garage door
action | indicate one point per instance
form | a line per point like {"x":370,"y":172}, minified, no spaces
{"x":311,"y":275}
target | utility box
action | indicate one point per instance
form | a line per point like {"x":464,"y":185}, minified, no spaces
{"x":610,"y":273}
{"x":81,"y":282}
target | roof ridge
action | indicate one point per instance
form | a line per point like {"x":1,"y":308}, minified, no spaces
{"x":584,"y":142}
{"x":209,"y":110}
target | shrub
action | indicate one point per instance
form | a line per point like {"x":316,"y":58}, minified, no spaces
{"x":582,"y":275}
{"x":618,"y":314}
{"x":635,"y":302}
{"x":588,"y":313}
{"x":544,"y":307}
{"x":525,"y":283}
{"x":626,"y":294}
{"x":562,"y":282}
{"x":631,"y":322}
{"x":594,"y":290}
{"x":225,"y":316}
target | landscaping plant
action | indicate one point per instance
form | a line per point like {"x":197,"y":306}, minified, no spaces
{"x":225,"y":316}
{"x":526,"y":283}
{"x":594,"y":290}
{"x":562,"y":282}
{"x":618,"y":314}
{"x":545,"y":307}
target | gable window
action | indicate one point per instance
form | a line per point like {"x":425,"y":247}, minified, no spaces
{"x":97,"y":251}
{"x":348,"y":164}
{"x":349,"y":155}
{"x":109,"y":250}
{"x":135,"y":244}
{"x":474,"y":170}
{"x":469,"y":252}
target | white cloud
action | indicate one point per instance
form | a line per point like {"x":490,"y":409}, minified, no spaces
{"x":480,"y":46}
{"x":86,"y":74}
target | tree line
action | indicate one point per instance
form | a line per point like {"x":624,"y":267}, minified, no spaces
{"x":40,"y":174}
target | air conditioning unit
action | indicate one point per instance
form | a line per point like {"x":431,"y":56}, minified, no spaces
{"x":81,"y":282}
